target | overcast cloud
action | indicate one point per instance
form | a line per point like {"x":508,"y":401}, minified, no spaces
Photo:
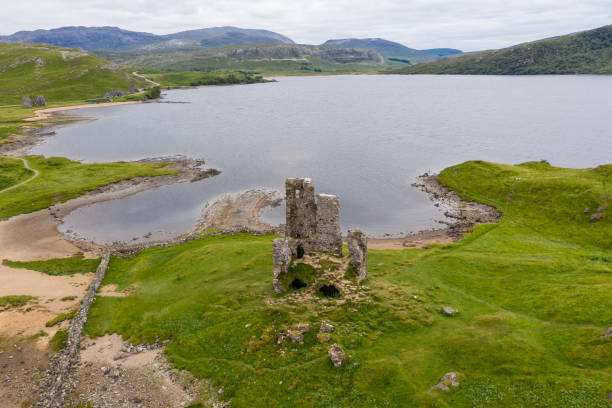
{"x":468,"y":25}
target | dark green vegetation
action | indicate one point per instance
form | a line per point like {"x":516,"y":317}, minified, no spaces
{"x":60,"y":74}
{"x":61,"y":318}
{"x":12,"y":171}
{"x":394,"y":51}
{"x":196,"y":78}
{"x":60,"y":266}
{"x":61,"y":179}
{"x":8,"y":302}
{"x":534,"y":295}
{"x":114,"y":38}
{"x":263,"y":59}
{"x":59,"y":339}
{"x":588,"y":52}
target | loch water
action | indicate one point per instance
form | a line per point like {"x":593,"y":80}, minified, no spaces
{"x":364,"y":138}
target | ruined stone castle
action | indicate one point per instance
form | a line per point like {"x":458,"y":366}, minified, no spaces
{"x":313,"y":226}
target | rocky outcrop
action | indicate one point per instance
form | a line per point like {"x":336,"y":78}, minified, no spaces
{"x":447,"y":381}
{"x":358,"y":252}
{"x":336,"y":354}
{"x":113,"y":93}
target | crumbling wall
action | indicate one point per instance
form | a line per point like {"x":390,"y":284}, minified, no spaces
{"x":328,"y":236}
{"x":358,"y":252}
{"x":301,"y":208}
{"x":312,"y":225}
{"x":282,"y":261}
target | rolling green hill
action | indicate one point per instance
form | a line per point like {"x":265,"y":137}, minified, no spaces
{"x":588,"y":52}
{"x":59,"y":74}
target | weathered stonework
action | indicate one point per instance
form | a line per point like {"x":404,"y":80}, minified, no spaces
{"x":26,"y":102}
{"x":282,"y":261}
{"x":358,"y":251}
{"x":40,"y":101}
{"x":312,"y":225}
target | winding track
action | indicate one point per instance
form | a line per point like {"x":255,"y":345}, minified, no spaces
{"x":27,"y":166}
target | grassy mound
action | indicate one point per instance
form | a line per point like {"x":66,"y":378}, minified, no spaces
{"x":61,"y":179}
{"x":58,"y":73}
{"x":533,"y":294}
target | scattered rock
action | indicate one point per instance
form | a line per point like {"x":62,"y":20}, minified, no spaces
{"x":586,"y":210}
{"x":39,"y":101}
{"x":607,"y":333}
{"x":295,"y":336}
{"x":336,"y":354}
{"x":601,"y":209}
{"x":26,"y":102}
{"x":326,"y":328}
{"x":302,"y":327}
{"x":105,"y":370}
{"x":323,"y":337}
{"x":595,"y":217}
{"x":113,"y":93}
{"x":448,"y":311}
{"x":447,"y":381}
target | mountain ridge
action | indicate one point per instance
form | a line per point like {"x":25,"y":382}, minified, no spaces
{"x":109,"y":38}
{"x":585,"y":52}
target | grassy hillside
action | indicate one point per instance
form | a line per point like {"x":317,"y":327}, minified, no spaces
{"x":533,"y":294}
{"x":59,"y":74}
{"x":588,"y":52}
{"x":61,"y":179}
{"x":197,"y":78}
{"x":392,"y":49}
{"x":268,"y":59}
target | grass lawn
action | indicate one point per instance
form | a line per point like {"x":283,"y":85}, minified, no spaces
{"x":61,"y":179}
{"x":12,"y":171}
{"x":56,"y":267}
{"x":534,"y":295}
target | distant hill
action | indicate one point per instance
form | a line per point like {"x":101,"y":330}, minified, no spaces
{"x":264,"y":59}
{"x":226,"y":36}
{"x":114,"y":38}
{"x":85,"y":38}
{"x":392,"y":49}
{"x":587,"y":52}
{"x":57,"y":73}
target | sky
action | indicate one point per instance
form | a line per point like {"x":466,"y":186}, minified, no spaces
{"x":468,"y":25}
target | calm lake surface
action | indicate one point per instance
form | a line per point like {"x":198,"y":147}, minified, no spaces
{"x":364,"y":138}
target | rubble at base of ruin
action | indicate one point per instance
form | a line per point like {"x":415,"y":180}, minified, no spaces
{"x":313,"y":226}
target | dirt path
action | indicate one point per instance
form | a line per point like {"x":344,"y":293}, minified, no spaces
{"x":145,"y":78}
{"x":27,"y":166}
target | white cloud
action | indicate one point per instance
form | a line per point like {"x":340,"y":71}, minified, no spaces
{"x":467,"y":24}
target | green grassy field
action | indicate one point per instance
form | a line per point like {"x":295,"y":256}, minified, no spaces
{"x":13,"y":172}
{"x":588,"y":52}
{"x":533,"y":294}
{"x":56,"y":267}
{"x":61,"y":179}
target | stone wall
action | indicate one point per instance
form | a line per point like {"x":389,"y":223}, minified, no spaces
{"x":358,"y":252}
{"x":328,"y":236}
{"x":58,"y":382}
